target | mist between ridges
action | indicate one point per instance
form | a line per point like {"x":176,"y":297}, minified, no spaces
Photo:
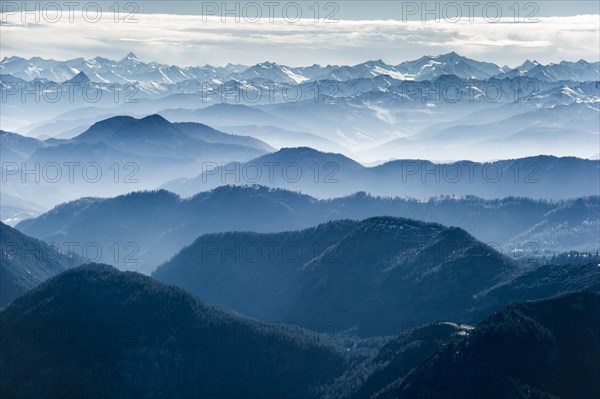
{"x":263,"y":91}
{"x":409,"y":171}
{"x":272,"y":172}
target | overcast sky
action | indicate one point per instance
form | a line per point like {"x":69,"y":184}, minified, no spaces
{"x":178,"y":33}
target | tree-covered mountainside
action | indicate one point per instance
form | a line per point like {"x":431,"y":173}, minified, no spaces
{"x":160,"y":223}
{"x":26,"y":262}
{"x":372,"y":276}
{"x":394,"y":360}
{"x":538,"y":283}
{"x":544,"y":349}
{"x":95,"y":332}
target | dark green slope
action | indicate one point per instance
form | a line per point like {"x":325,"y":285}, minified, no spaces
{"x":371,"y":276}
{"x":544,"y":349}
{"x":96,"y":332}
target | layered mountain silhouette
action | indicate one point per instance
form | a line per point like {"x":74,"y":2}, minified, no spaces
{"x":376,"y":110}
{"x":115,"y":156}
{"x":17,"y":148}
{"x":428,"y":229}
{"x":371,"y":276}
{"x":96,"y":332}
{"x":160,"y":223}
{"x":564,"y":125}
{"x":27,"y":262}
{"x":327,"y":175}
{"x":154,"y":139}
{"x":153,"y":135}
{"x":284,"y":138}
{"x":224,"y":113}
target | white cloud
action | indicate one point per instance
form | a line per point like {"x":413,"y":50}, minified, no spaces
{"x":187,"y":40}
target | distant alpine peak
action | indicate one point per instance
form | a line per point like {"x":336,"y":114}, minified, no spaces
{"x":267,"y":64}
{"x":530,"y":63}
{"x":130,"y":57}
{"x":448,"y":56}
{"x":378,"y":62}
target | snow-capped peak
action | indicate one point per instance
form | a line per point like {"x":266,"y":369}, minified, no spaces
{"x":130,"y":57}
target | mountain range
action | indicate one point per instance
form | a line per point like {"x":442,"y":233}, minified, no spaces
{"x":160,"y":223}
{"x":327,"y":175}
{"x":121,"y":154}
{"x":151,"y":136}
{"x":373,"y":110}
{"x":111,"y":157}
{"x":370,"y":277}
{"x":130,"y":68}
